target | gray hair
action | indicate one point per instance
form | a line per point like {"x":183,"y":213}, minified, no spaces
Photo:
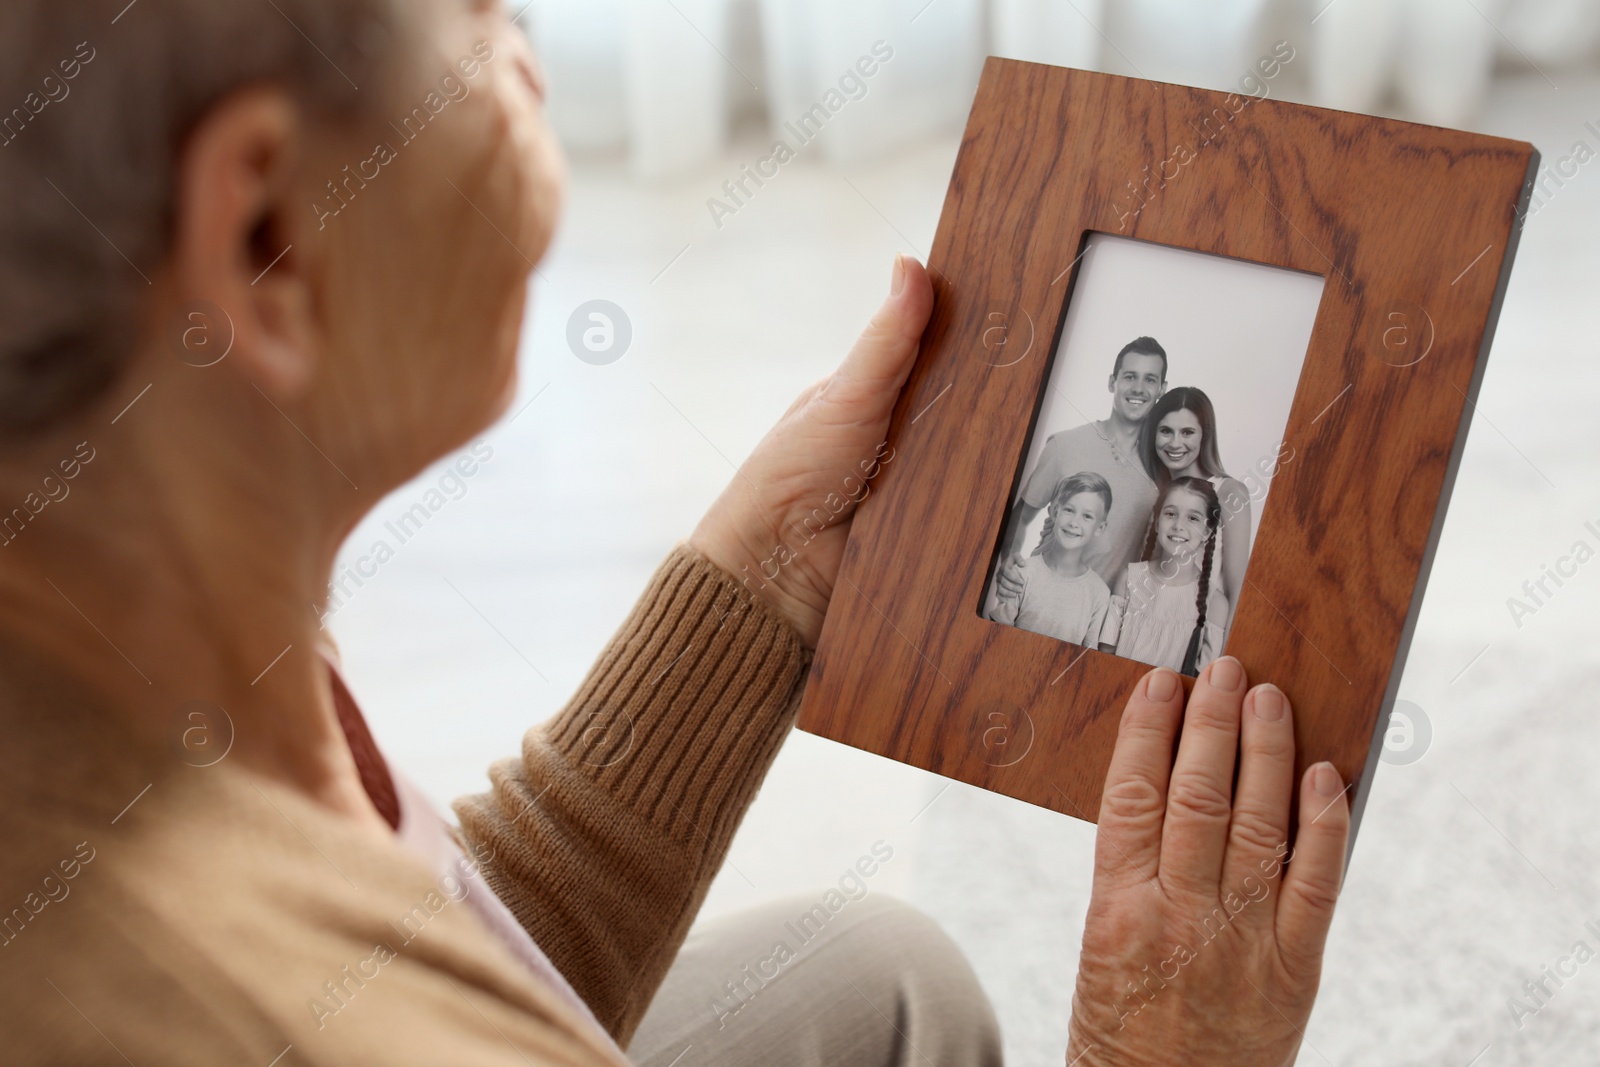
{"x":96,"y":100}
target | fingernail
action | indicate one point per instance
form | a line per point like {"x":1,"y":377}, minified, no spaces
{"x":1268,"y":703}
{"x":1325,"y":780}
{"x":1226,"y":674}
{"x":897,"y":280}
{"x":1160,"y":685}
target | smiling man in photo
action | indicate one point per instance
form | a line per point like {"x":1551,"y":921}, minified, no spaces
{"x":1109,"y":448}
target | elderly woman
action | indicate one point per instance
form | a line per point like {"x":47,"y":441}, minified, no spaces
{"x":264,"y":262}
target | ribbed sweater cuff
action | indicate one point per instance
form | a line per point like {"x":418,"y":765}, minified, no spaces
{"x":686,"y":708}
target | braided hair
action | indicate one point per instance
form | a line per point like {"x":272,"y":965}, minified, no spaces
{"x":1207,"y":492}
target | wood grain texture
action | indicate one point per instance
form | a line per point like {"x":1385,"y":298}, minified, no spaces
{"x":1398,"y":217}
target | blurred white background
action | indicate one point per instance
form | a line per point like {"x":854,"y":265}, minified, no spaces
{"x":1476,"y":865}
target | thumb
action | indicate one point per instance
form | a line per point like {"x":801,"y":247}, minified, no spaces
{"x":868,"y":381}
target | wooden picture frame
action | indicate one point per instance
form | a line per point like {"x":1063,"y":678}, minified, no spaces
{"x":1414,"y":229}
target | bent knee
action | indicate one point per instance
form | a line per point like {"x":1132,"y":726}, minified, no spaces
{"x":899,"y":955}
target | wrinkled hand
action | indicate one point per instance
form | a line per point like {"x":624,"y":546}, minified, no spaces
{"x":781,"y":525}
{"x":1203,"y":944}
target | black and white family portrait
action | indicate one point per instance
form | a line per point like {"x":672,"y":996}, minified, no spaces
{"x":1158,"y":437}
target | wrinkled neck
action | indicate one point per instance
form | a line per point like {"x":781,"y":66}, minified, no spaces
{"x":163,"y":563}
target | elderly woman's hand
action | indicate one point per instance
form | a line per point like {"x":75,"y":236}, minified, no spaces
{"x":1203,"y":943}
{"x":780,"y":526}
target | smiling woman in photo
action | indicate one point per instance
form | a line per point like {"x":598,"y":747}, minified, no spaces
{"x":1179,"y":440}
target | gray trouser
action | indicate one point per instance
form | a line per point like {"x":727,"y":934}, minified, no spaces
{"x":874,"y":984}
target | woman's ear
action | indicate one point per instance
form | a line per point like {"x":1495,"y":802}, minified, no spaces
{"x":235,"y":235}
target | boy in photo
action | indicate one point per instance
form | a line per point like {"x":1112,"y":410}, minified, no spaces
{"x":1061,"y":595}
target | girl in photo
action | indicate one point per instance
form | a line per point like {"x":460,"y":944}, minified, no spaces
{"x":1168,"y":612}
{"x":1062,"y":596}
{"x":1179,"y":440}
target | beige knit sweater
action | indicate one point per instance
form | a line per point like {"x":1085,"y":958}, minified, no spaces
{"x":152,"y":912}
